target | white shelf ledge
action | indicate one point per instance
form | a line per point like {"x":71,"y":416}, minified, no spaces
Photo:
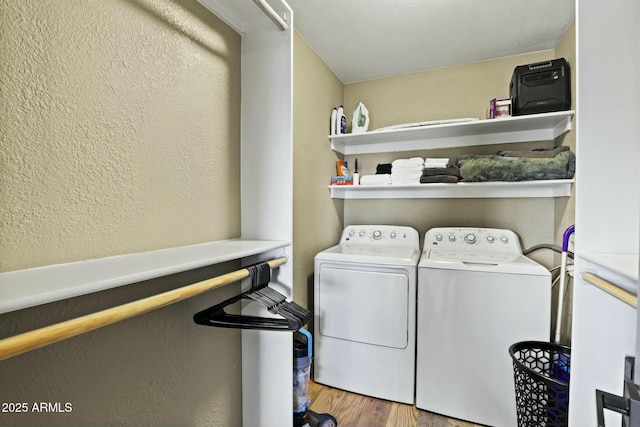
{"x":619,"y":269}
{"x":27,"y":288}
{"x":461,"y":190}
{"x":533,"y":127}
{"x":623,"y":264}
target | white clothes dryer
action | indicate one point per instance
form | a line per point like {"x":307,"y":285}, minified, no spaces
{"x":364,"y":312}
{"x":477,"y":295}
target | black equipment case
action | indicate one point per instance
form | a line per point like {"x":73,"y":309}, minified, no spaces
{"x":541,"y":88}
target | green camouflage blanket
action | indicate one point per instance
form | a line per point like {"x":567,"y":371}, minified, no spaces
{"x":493,"y":167}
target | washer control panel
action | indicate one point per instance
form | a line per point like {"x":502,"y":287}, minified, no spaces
{"x":472,"y":240}
{"x":383,"y":235}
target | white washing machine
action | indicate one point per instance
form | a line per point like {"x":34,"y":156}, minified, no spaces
{"x":364,"y":317}
{"x":477,"y":295}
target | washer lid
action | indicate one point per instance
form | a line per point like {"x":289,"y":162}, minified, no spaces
{"x":507,"y":263}
{"x":367,"y":254}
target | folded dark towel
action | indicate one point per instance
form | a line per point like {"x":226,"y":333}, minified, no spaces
{"x":537,"y":153}
{"x":441,"y":171}
{"x":383,"y":168}
{"x":431,"y":179}
{"x":492,"y":167}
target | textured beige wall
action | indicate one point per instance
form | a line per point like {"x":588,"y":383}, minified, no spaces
{"x":459,"y":91}
{"x":119,"y":133}
{"x":565,"y":212}
{"x":444,"y":93}
{"x":317,"y":219}
{"x":119,"y":130}
{"x":565,"y":207}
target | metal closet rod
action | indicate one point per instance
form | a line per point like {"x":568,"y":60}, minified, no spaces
{"x":271,"y":13}
{"x":611,"y":289}
{"x":32,"y":340}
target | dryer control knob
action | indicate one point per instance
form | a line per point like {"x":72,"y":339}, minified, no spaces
{"x":361,"y":234}
{"x":470,"y":238}
{"x":490,"y":239}
{"x":393,"y":235}
{"x":352,"y":233}
{"x":377,"y":234}
{"x":452,"y":238}
{"x":504,"y":239}
{"x":439,"y":237}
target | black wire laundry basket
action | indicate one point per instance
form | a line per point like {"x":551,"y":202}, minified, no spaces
{"x":541,"y":374}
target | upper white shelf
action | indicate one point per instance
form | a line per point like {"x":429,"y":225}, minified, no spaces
{"x":34,"y":286}
{"x":533,"y":127}
{"x":461,"y":190}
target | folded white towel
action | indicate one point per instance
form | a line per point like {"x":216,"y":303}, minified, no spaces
{"x":406,"y":175}
{"x":408,"y":169}
{"x":406,"y":179}
{"x":436,"y":162}
{"x":379,"y":179}
{"x":435,"y":165}
{"x":414,"y":161}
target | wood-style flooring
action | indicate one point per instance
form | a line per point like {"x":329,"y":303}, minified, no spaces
{"x":355,"y":410}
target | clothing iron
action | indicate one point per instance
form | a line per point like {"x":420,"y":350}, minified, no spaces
{"x":360,"y":120}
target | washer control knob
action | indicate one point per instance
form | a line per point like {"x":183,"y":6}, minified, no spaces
{"x":361,"y":234}
{"x":393,"y":235}
{"x":452,"y":238}
{"x":377,"y":234}
{"x":491,"y":239}
{"x":470,"y":238}
{"x":439,"y":237}
{"x":504,"y":239}
{"x":352,"y":233}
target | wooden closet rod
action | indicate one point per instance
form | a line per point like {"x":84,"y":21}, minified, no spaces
{"x":611,"y":289}
{"x":32,"y":340}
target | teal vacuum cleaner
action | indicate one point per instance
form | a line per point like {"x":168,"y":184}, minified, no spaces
{"x":302,"y":354}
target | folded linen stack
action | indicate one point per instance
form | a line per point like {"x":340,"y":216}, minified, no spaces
{"x":557,"y":163}
{"x":383,"y":168}
{"x":436,"y":162}
{"x":437,"y":170}
{"x":378,"y":179}
{"x":406,"y":171}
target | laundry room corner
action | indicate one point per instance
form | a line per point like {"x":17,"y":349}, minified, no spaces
{"x":446,"y":93}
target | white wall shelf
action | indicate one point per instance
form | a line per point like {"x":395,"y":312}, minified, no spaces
{"x":461,"y":190}
{"x":534,"y":127}
{"x":34,"y":286}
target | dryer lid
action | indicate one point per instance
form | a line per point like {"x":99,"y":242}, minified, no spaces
{"x":368,"y":254}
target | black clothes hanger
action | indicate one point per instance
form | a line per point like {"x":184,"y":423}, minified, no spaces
{"x":293,"y":316}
